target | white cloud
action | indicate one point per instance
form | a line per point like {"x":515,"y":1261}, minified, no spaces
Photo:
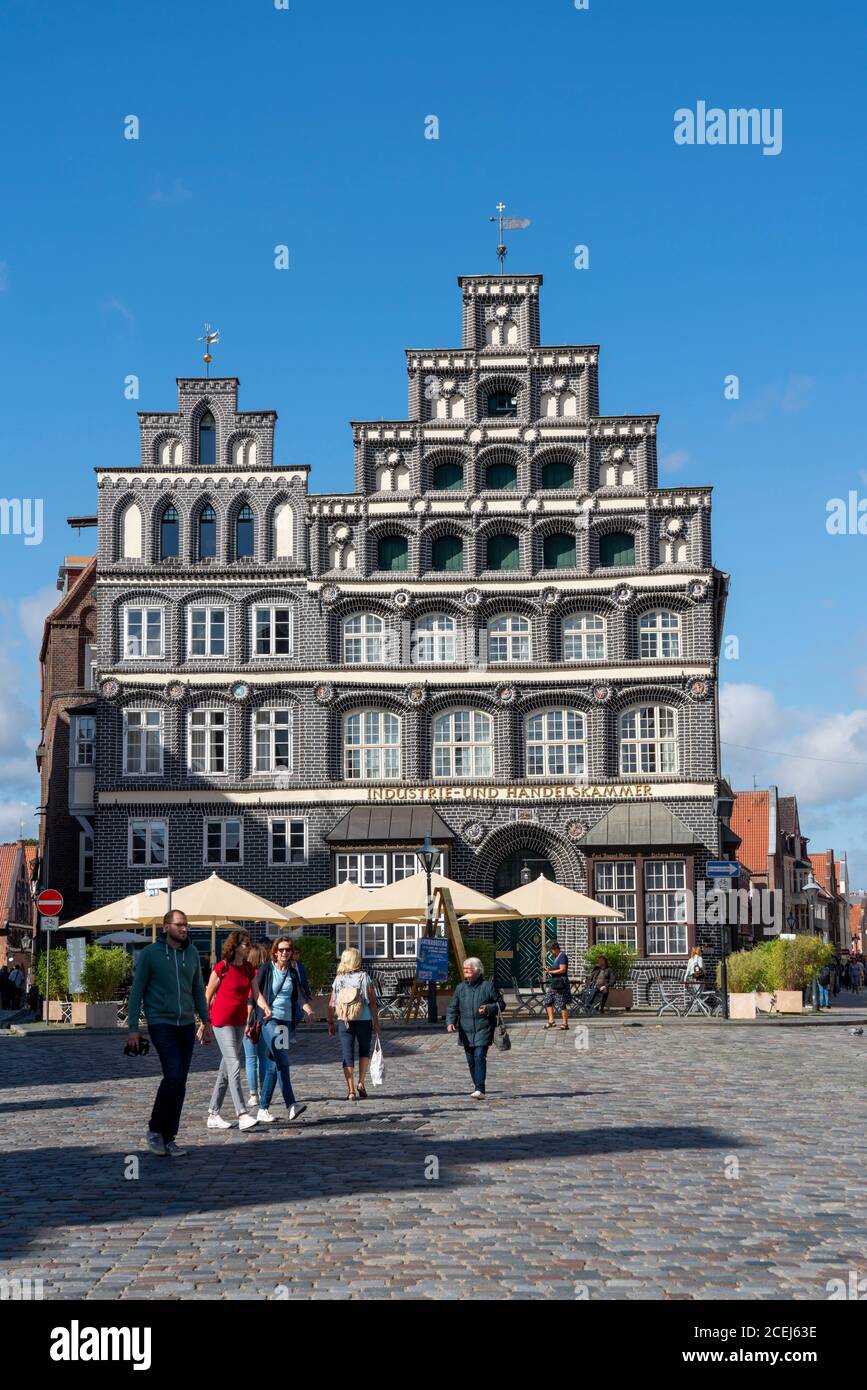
{"x":12,"y":813}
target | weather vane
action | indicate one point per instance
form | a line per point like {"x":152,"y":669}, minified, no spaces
{"x":507,"y":224}
{"x":209,"y":337}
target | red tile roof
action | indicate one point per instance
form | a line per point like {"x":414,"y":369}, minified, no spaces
{"x":750,"y":821}
{"x":8,"y":854}
{"x":823,"y":870}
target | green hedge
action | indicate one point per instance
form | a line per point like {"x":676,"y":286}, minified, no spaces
{"x":777,"y":965}
{"x":317,"y":954}
{"x":621,"y":958}
{"x":106,"y":968}
{"x":485,"y":950}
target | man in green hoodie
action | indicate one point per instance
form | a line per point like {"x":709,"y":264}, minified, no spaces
{"x":168,"y":984}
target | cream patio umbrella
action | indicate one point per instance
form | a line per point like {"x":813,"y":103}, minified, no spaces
{"x":346,"y":902}
{"x":406,"y":900}
{"x":140,"y":908}
{"x":544,"y":898}
{"x":214,"y":900}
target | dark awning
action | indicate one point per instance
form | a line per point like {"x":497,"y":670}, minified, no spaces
{"x":377,"y":825}
{"x":650,"y":824}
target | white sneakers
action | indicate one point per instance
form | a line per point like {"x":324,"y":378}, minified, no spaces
{"x":252,"y":1101}
{"x":247,"y":1121}
{"x":216,"y":1121}
{"x":477,"y":1095}
{"x":265,"y":1116}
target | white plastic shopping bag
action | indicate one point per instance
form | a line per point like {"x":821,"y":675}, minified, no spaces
{"x":377,"y":1066}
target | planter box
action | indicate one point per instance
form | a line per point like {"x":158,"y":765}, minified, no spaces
{"x":789,"y":1001}
{"x":95,"y":1015}
{"x":53,"y":1012}
{"x":619,"y":998}
{"x":742,"y":1005}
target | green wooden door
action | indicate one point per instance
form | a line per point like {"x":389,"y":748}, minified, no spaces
{"x":518,"y":943}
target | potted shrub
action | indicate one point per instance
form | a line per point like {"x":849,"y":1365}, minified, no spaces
{"x":53,"y":1012}
{"x":793,"y":967}
{"x":748,"y":981}
{"x":317,"y":957}
{"x":621,"y":958}
{"x":105,"y":970}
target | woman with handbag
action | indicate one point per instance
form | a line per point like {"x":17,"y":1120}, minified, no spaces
{"x":280,"y":1002}
{"x":353,"y":1001}
{"x":473,"y":1013}
{"x":257,"y":957}
{"x":227,"y":993}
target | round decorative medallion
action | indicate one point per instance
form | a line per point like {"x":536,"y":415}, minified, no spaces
{"x":472,"y":598}
{"x":417,"y":694}
{"x":477,"y":505}
{"x":697,"y":589}
{"x":475,"y":436}
{"x":623,"y":594}
{"x":323,"y":694}
{"x":674,"y":525}
{"x":329,"y":593}
{"x":175,"y":690}
{"x":447,"y":387}
{"x":474,"y":832}
{"x":531,"y":435}
{"x":559,"y":383}
{"x":401,"y":598}
{"x":420,"y":506}
{"x":618,"y":453}
{"x":602,"y":694}
{"x":550,"y":597}
{"x":239,"y":691}
{"x":393,"y":456}
{"x":532,"y":504}
{"x":108,"y":689}
{"x":506,"y":694}
{"x":342,"y":533}
{"x":575,"y":830}
{"x":501,"y":311}
{"x":698,"y":689}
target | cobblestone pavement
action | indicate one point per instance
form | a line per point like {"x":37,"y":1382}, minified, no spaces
{"x":685,"y":1162}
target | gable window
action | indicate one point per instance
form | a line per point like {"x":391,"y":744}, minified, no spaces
{"x":143,"y":632}
{"x":448,"y":477}
{"x":272,"y":631}
{"x":665,"y":907}
{"x":170,"y":533}
{"x":617,"y":548}
{"x":363,"y":639}
{"x":555,"y":743}
{"x":143,"y":741}
{"x":207,"y":543}
{"x":84,"y":740}
{"x":509,"y":638}
{"x":207,"y":749}
{"x":558,"y":551}
{"x":207,"y":632}
{"x":207,"y":441}
{"x":287,"y":842}
{"x":224,"y":841}
{"x":147,"y":844}
{"x":584,"y":637}
{"x":272,"y":740}
{"x":503,"y":552}
{"x":244,"y":534}
{"x":614,"y":884}
{"x":502,"y":403}
{"x":463,"y":744}
{"x":433,"y":640}
{"x":557,"y":474}
{"x":659,"y":633}
{"x":648,"y":739}
{"x":371,"y":746}
{"x":447,"y":553}
{"x":392,"y":553}
{"x":501,"y":476}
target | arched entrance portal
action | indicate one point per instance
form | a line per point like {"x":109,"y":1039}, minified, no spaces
{"x":518,"y":943}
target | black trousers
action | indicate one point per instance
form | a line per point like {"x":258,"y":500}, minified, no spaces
{"x":175,"y":1050}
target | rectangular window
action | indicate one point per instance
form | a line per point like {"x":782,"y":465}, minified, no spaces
{"x":224,"y":841}
{"x":84,"y":740}
{"x":665,"y":907}
{"x":288,"y":842}
{"x":614,"y":885}
{"x":143,"y":741}
{"x":143,"y":635}
{"x":347,"y":936}
{"x":272,"y":631}
{"x":272,"y":740}
{"x":406,"y":939}
{"x":207,"y":740}
{"x":90,"y":666}
{"x":374,"y":940}
{"x":367,"y":870}
{"x":85,"y":862}
{"x":207,"y":632}
{"x":148,"y":844}
{"x":404,"y":866}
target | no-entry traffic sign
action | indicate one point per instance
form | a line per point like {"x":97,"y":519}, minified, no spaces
{"x":50,"y":902}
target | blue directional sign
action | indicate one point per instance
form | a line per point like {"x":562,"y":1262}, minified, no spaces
{"x":433,"y":959}
{"x":721,"y":868}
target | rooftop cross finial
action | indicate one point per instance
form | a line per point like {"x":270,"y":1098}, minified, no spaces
{"x":507,"y":224}
{"x":209,"y":337}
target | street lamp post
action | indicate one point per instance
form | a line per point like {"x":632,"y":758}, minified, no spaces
{"x":429,"y":855}
{"x":811,"y":891}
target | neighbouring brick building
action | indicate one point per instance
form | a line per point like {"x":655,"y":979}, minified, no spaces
{"x":16,"y":904}
{"x":506,"y":635}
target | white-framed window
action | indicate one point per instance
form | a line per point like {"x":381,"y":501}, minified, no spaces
{"x":365,"y":869}
{"x":147,"y":844}
{"x":433,"y":639}
{"x":206,"y":631}
{"x":223,"y":840}
{"x":509,"y":638}
{"x":143,"y":741}
{"x":272,"y":740}
{"x":143,"y":632}
{"x":347,"y":937}
{"x":614,"y":886}
{"x":659,"y":633}
{"x":648,"y":739}
{"x":406,"y":936}
{"x":287,"y":841}
{"x":363,"y":639}
{"x":272,"y":630}
{"x":91,"y":667}
{"x":463,"y":744}
{"x":555,"y":743}
{"x":404,"y":865}
{"x":85,"y":862}
{"x":665,"y":907}
{"x":371,"y":745}
{"x":83,"y":740}
{"x":374,"y":940}
{"x":584,"y":637}
{"x":207,"y":740}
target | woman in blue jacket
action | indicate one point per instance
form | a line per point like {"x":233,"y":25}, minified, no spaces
{"x":280,"y":1002}
{"x":472,"y":1014}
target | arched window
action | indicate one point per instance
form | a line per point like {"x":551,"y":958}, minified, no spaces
{"x":283,"y":526}
{"x":502,"y":476}
{"x":557,"y":474}
{"x":207,"y":441}
{"x":676,"y":552}
{"x":463,"y":744}
{"x":207,"y":539}
{"x":449,"y":407}
{"x":447,"y":553}
{"x":501,"y":333}
{"x":584,"y":637}
{"x":509,"y":638}
{"x":659,"y":633}
{"x":558,"y":551}
{"x":555,"y":743}
{"x":502,"y":403}
{"x":244,"y":537}
{"x":371,"y":746}
{"x":170,"y":533}
{"x":363,"y":639}
{"x":401,"y":478}
{"x":448,"y":477}
{"x":569,"y":404}
{"x":503,"y":552}
{"x":617,"y":548}
{"x":433,"y":639}
{"x":392,"y":553}
{"x":384,"y":478}
{"x":244,"y":453}
{"x":131,"y":532}
{"x":619,"y":471}
{"x":548,"y":404}
{"x":648,"y":739}
{"x":171,"y":453}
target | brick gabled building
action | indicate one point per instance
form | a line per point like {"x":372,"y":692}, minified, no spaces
{"x":832,"y":910}
{"x":774,"y":851}
{"x":16,"y":903}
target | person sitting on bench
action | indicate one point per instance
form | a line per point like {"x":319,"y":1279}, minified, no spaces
{"x":601,"y":981}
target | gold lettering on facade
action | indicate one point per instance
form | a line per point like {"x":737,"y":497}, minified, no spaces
{"x":558,"y":791}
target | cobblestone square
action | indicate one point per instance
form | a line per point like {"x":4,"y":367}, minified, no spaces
{"x":661,"y":1162}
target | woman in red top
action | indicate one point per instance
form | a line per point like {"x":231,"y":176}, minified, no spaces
{"x":227,"y":992}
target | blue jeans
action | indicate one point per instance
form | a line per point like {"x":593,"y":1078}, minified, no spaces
{"x":477,"y":1061}
{"x":175,"y":1050}
{"x":823,"y":996}
{"x":251,"y":1059}
{"x":274,"y":1040}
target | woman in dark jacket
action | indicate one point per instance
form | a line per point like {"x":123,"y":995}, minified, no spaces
{"x":601,"y":981}
{"x":472,"y":1014}
{"x":280,"y":1002}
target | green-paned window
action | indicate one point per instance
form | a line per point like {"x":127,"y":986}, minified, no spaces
{"x":170,"y":535}
{"x":448,"y":477}
{"x":501,"y":475}
{"x":559,"y":552}
{"x":447,"y":553}
{"x":618,"y":548}
{"x":558,"y":475}
{"x":503,"y":553}
{"x":393,"y":553}
{"x":502,"y":403}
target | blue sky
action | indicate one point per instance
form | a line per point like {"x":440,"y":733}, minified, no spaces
{"x":261,"y":126}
